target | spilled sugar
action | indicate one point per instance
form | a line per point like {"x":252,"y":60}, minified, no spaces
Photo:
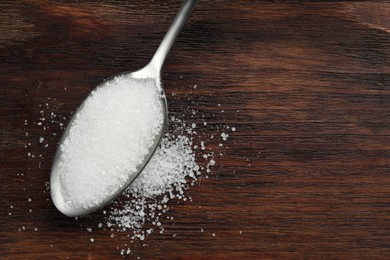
{"x":108,"y":139}
{"x":172,"y":169}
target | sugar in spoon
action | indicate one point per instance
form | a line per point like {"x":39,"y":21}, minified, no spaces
{"x":69,"y":194}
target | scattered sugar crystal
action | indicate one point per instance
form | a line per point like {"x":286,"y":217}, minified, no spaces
{"x":224,"y":136}
{"x":211,"y":162}
{"x":193,"y":125}
{"x":108,"y":139}
{"x":41,"y":139}
{"x":92,"y":240}
{"x":213,"y":234}
{"x":29,"y":199}
{"x":233,"y":129}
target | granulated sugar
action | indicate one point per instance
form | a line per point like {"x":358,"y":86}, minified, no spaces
{"x":168,"y":174}
{"x":186,"y":153}
{"x":108,"y":139}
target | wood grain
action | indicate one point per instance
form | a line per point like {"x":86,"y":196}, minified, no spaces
{"x":306,"y":84}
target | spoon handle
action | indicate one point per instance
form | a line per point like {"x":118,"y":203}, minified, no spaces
{"x":173,"y":31}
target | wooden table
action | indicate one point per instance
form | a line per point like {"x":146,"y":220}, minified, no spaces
{"x":306,"y":85}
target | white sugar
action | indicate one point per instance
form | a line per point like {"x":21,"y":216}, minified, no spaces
{"x":108,"y":139}
{"x":166,"y":177}
{"x":174,"y":168}
{"x":212,"y":162}
{"x":224,"y":136}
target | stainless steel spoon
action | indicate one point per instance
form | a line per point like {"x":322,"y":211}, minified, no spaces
{"x":151,"y":71}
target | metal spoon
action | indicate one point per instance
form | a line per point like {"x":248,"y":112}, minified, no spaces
{"x":151,"y":71}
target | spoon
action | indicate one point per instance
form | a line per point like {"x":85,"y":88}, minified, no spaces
{"x":152,"y":71}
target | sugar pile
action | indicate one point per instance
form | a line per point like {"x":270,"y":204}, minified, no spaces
{"x":108,"y":138}
{"x":172,"y":169}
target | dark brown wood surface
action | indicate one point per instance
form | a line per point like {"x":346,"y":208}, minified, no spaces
{"x":306,"y":174}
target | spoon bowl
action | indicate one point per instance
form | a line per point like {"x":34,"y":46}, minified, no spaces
{"x":149,"y":75}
